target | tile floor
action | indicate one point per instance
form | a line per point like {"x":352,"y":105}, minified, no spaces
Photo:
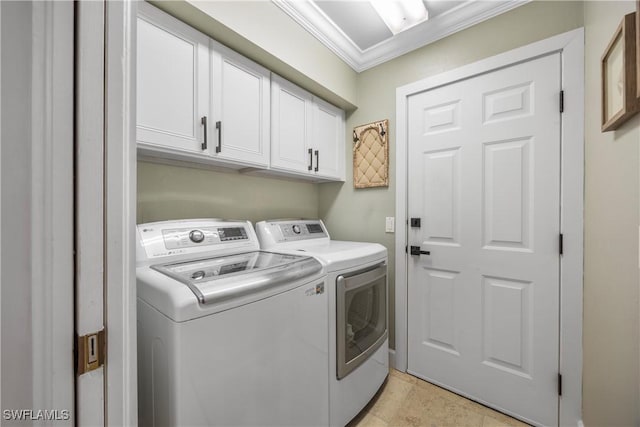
{"x":408,"y":401}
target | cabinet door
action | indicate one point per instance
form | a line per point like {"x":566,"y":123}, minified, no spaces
{"x":291,"y":122}
{"x":329,"y":140}
{"x":172,"y":82}
{"x":240,"y":106}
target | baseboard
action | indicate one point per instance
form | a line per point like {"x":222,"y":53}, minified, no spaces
{"x":392,"y":361}
{"x":580,"y":423}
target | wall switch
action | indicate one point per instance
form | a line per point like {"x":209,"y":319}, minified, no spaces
{"x":390,"y":225}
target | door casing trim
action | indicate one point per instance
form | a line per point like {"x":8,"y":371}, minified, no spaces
{"x":120,"y":212}
{"x":570,"y":45}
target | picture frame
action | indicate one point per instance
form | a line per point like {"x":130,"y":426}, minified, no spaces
{"x":638,"y":49}
{"x":371,"y":155}
{"x":619,"y":76}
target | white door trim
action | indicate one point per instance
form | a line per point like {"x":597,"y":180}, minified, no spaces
{"x":120,"y":213}
{"x":89,"y":202}
{"x":571,"y":47}
{"x":1,"y":197}
{"x":52,"y":225}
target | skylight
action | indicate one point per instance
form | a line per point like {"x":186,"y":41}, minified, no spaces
{"x":400,"y":15}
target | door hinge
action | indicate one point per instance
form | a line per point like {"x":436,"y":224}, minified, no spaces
{"x":406,"y":249}
{"x":90,"y":352}
{"x":561,"y":244}
{"x":559,"y":384}
{"x":562,"y":101}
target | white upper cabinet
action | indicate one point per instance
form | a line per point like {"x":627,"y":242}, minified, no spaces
{"x":307,"y":134}
{"x":198,"y":101}
{"x":329,"y":140}
{"x":240,"y":108}
{"x":172,"y":82}
{"x":291,"y":122}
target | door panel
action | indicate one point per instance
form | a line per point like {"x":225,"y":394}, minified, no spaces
{"x":484,"y":168}
{"x":172,"y":83}
{"x":507,"y":195}
{"x":442,"y":196}
{"x":507,"y":324}
{"x":153,"y":43}
{"x":328,"y":133}
{"x":439,"y":297}
{"x":240,"y":101}
{"x":291,"y":122}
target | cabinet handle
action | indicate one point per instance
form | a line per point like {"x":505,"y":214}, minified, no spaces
{"x":203,"y":120}
{"x":317,"y":161}
{"x":219,"y":128}
{"x":310,"y":159}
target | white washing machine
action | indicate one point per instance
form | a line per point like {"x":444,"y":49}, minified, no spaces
{"x":357,"y":287}
{"x":227,"y":334}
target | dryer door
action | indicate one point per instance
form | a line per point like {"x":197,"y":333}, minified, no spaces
{"x":361,"y":300}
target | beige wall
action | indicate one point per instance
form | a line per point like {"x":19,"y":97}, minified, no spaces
{"x":172,"y":192}
{"x":612,"y":186}
{"x":610,"y":374}
{"x":359,"y":214}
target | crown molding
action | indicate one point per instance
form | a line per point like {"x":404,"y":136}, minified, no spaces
{"x":316,"y":22}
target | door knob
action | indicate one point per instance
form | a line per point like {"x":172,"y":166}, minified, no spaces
{"x":415,"y":250}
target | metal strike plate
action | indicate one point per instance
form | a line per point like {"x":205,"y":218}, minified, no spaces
{"x":91,"y":351}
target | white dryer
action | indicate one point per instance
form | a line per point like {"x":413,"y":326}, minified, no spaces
{"x":227,"y":334}
{"x":358,"y":319}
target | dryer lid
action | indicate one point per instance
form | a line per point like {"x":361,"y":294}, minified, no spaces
{"x":222,"y":278}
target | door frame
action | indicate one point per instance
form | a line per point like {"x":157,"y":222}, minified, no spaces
{"x":570,"y":45}
{"x":121,"y":381}
{"x":113,"y":47}
{"x":50,"y":373}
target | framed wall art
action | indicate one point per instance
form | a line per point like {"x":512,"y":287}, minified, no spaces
{"x":371,"y":155}
{"x":619,"y":76}
{"x":638,"y":48}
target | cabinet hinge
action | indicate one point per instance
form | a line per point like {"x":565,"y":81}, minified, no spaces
{"x":90,"y":351}
{"x":561,"y":244}
{"x":562,"y":101}
{"x":559,"y":384}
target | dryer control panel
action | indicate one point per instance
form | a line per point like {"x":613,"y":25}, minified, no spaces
{"x":279,"y":231}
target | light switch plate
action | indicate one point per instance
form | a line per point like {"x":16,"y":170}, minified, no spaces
{"x":390,"y":225}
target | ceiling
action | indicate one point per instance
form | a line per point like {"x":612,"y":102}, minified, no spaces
{"x":356,"y":33}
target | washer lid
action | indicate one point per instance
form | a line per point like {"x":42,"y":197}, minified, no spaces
{"x":222,"y":278}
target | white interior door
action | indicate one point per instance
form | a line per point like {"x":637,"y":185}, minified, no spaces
{"x":484,"y":178}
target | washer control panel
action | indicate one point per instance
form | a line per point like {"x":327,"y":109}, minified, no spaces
{"x":184,"y":237}
{"x":196,"y":236}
